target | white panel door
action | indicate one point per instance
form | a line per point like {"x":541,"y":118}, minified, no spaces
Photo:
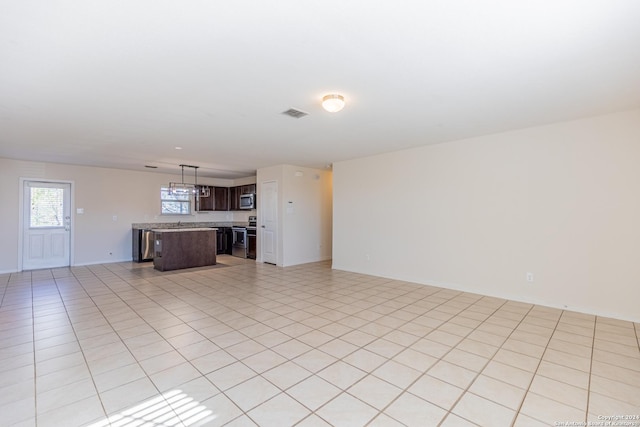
{"x":47,"y":225}
{"x":269,"y":211}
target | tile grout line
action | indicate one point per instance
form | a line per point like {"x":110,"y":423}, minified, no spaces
{"x":593,"y":345}
{"x":406,"y":322}
{"x":292,"y":338}
{"x":107,"y":415}
{"x":306,"y":294}
{"x":528,"y":389}
{"x":405,"y":390}
{"x":315,"y":374}
{"x":4,"y":290}
{"x":79,"y":282}
{"x":75,"y":333}
{"x":143,"y":319}
{"x":62,"y":300}
{"x":33,"y":341}
{"x":466,"y":390}
{"x":222,"y":392}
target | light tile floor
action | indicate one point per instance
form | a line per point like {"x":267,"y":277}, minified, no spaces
{"x":245,"y":344}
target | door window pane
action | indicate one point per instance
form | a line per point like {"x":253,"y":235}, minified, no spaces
{"x":47,"y":207}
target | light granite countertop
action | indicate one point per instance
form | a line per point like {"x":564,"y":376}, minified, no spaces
{"x":183,"y":225}
{"x":173,"y":230}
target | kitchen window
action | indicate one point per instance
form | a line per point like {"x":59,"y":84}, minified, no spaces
{"x":174,"y":204}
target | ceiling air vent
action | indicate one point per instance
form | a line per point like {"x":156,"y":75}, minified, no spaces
{"x":296,"y":114}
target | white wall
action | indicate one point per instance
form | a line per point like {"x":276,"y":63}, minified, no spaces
{"x":561,"y":201}
{"x":304,"y":213}
{"x":132,"y":196}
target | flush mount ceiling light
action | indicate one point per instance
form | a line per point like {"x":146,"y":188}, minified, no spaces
{"x":333,"y":103}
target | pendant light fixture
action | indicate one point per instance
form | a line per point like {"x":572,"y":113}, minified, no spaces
{"x":333,"y":103}
{"x":188,"y":188}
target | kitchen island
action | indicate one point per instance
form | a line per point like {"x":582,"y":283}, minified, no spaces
{"x":184,"y":248}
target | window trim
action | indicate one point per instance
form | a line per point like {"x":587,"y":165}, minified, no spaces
{"x":187,"y":202}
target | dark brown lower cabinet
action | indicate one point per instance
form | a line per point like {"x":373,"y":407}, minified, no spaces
{"x":176,"y":249}
{"x":251,"y":246}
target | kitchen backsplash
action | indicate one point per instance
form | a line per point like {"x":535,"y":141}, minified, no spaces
{"x":199,"y":219}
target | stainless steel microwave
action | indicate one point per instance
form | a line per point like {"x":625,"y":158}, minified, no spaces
{"x":247,"y":201}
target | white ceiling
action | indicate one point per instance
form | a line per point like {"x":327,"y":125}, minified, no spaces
{"x":121,"y":83}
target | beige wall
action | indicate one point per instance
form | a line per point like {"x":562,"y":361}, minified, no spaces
{"x":304,"y":213}
{"x":307,"y":211}
{"x":561,"y":201}
{"x":131,"y":196}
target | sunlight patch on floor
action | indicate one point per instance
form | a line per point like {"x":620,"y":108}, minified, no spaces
{"x":173,"y":408}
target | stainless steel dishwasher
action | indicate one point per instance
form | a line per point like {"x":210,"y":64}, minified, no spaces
{"x":239,"y":247}
{"x":142,"y":244}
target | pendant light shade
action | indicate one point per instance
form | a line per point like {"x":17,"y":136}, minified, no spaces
{"x":333,"y":103}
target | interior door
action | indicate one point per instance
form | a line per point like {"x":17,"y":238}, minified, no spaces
{"x":269,"y":212}
{"x":47,"y":225}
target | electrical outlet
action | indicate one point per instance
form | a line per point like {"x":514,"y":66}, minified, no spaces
{"x":367,"y":257}
{"x":530,"y":277}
